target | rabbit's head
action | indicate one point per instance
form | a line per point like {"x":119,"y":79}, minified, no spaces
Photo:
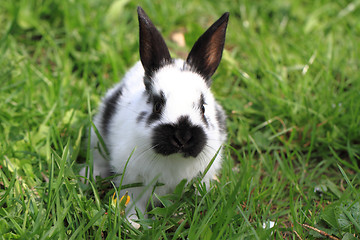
{"x":182,"y":112}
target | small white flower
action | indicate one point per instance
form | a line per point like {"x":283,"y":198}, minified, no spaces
{"x":268,"y":224}
{"x":320,"y":189}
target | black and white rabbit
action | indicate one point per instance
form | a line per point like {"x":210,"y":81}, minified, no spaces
{"x":163,"y":108}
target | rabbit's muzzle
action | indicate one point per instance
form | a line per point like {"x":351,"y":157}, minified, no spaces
{"x":182,"y":137}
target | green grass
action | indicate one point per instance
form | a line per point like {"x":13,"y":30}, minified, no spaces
{"x":289,"y":81}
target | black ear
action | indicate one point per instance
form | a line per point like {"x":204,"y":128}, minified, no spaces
{"x":205,"y":56}
{"x":153,"y":50}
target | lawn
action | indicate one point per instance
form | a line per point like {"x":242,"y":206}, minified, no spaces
{"x":289,"y":81}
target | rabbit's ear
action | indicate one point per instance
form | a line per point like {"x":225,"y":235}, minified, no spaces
{"x":205,"y":56}
{"x":153,"y":50}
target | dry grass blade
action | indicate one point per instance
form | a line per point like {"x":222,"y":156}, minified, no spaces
{"x":320,"y":232}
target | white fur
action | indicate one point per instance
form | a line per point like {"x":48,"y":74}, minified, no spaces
{"x":182,"y":90}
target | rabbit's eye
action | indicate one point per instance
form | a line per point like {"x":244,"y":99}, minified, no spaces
{"x":202,"y":104}
{"x":158,"y":102}
{"x":157,"y":107}
{"x":203,"y":109}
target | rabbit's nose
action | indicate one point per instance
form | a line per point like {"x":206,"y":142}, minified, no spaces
{"x":181,"y":137}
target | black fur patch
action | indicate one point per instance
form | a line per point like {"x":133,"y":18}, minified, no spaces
{"x":182,"y":137}
{"x":158,"y":102}
{"x":148,"y":84}
{"x":110,"y":108}
{"x":141,"y":117}
{"x":221,"y":118}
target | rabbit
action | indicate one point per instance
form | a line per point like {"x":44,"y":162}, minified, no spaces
{"x":164,"y":115}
